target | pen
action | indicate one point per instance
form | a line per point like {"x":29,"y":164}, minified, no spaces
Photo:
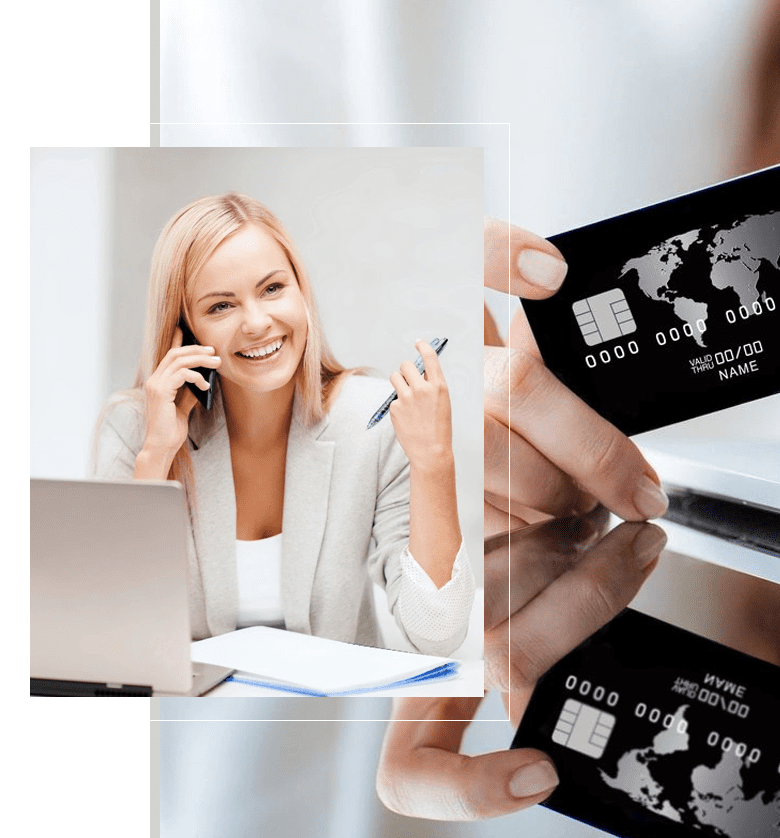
{"x":437,"y":344}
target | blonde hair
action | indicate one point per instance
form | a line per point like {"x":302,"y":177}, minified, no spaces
{"x":186,"y":243}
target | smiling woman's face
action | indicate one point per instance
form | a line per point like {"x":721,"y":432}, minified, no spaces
{"x":246,"y":303}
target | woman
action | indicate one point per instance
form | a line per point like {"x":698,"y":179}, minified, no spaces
{"x":295,"y":506}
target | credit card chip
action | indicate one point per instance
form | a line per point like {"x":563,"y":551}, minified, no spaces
{"x":583,"y":728}
{"x":604,"y":316}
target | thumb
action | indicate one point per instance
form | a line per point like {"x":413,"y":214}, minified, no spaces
{"x":521,"y":263}
{"x":506,"y":781}
{"x":439,"y":785}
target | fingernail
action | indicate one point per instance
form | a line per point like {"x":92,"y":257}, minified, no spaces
{"x":540,"y":268}
{"x":649,"y":542}
{"x":533,"y":779}
{"x":649,"y":499}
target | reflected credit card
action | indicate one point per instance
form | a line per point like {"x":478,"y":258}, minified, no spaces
{"x":672,"y":311}
{"x":656,"y":731}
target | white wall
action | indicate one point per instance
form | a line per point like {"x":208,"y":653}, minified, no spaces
{"x":70,"y":235}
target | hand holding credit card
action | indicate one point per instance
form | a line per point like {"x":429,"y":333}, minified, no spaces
{"x":565,"y":456}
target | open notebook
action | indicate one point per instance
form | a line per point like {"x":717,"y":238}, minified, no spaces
{"x":306,"y":665}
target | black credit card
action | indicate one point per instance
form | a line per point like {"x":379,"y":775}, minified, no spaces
{"x":656,"y":731}
{"x":672,"y":311}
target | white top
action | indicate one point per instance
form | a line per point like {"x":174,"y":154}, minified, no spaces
{"x":259,"y":565}
{"x":435,"y":613}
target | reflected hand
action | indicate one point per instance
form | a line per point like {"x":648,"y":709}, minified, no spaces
{"x":567,"y":582}
{"x":422,"y":774}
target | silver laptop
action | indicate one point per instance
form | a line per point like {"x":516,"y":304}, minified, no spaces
{"x":109,"y":610}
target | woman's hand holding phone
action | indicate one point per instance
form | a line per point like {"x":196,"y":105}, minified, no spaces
{"x":169,"y":404}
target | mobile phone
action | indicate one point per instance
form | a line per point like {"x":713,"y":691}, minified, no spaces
{"x":205,"y":397}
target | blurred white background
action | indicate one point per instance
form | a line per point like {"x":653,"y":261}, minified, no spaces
{"x":610,"y":106}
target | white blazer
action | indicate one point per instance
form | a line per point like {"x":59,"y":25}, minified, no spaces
{"x":345,"y":520}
